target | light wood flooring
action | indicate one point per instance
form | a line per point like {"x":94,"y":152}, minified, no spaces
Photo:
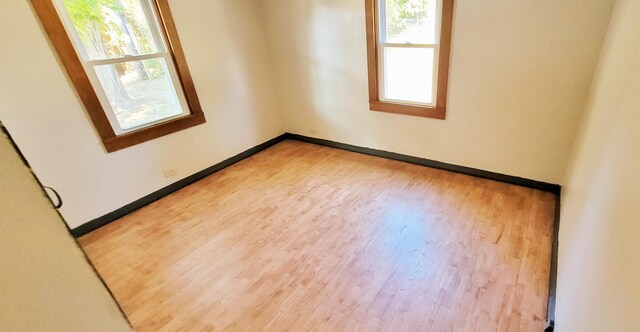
{"x":301,"y":237}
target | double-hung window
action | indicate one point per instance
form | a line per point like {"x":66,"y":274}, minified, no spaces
{"x":408,"y":43}
{"x":125,"y":60}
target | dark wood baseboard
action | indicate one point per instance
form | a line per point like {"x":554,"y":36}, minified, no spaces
{"x":548,"y":187}
{"x":553,"y":276}
{"x":123,"y":211}
{"x":156,"y":195}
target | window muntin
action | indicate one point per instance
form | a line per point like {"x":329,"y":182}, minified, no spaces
{"x":126,"y":58}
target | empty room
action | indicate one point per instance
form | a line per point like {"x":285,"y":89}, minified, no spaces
{"x":319,"y":165}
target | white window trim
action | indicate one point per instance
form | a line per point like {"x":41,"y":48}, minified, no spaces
{"x":89,"y":65}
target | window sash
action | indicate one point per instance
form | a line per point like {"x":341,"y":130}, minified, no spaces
{"x":149,"y":11}
{"x":382,"y":73}
{"x":382,"y":45}
{"x":382,"y":23}
{"x":90,"y":64}
{"x":106,"y":103}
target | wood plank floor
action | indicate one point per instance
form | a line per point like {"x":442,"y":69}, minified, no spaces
{"x":302,"y":237}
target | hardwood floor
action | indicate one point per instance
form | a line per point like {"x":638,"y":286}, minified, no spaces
{"x":302,"y":237}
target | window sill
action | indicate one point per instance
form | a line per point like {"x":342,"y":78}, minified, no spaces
{"x":143,"y":135}
{"x":423,"y":111}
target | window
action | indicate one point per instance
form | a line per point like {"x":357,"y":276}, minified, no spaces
{"x":125,"y":60}
{"x":408,"y":45}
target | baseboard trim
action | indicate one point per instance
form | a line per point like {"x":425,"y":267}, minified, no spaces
{"x":553,"y":273}
{"x":156,"y":195}
{"x":146,"y":200}
{"x":547,"y":187}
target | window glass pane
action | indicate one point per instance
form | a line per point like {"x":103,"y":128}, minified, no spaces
{"x":410,"y":21}
{"x":111,"y":28}
{"x":408,"y":74}
{"x":140,"y":92}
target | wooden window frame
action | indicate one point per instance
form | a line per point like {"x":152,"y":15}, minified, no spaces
{"x":375,"y":103}
{"x":53,"y":26}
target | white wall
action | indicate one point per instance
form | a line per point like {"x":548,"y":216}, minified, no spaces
{"x":227,"y":57}
{"x":46,"y":284}
{"x":599,"y":254}
{"x":520,"y":74}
